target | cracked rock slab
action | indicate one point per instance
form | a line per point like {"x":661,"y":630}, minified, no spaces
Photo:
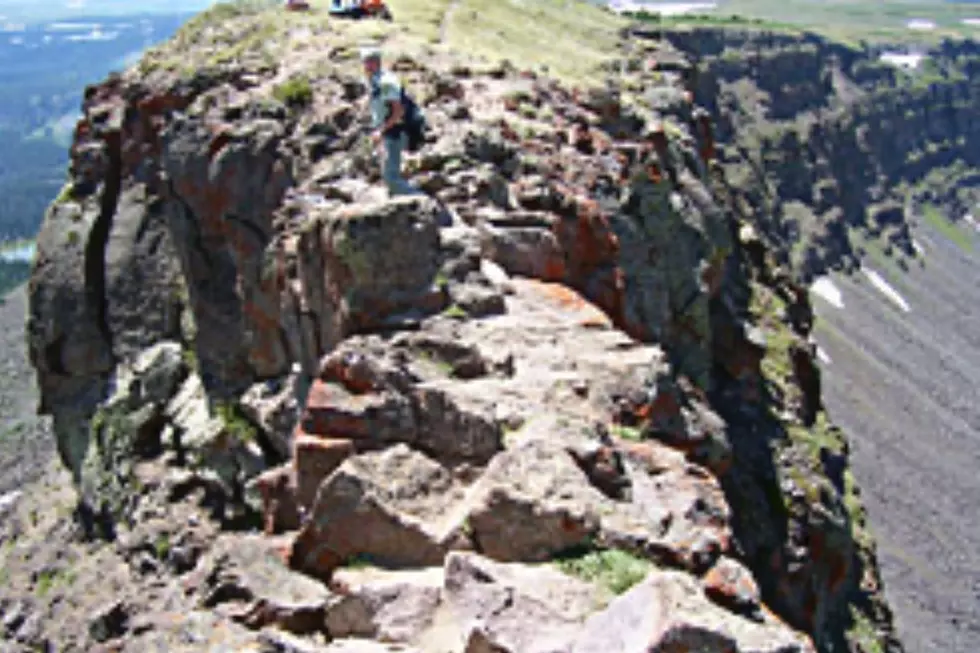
{"x":393,"y":506}
{"x":669,"y":612}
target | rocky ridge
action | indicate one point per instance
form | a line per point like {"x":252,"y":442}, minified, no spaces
{"x":577,"y":357}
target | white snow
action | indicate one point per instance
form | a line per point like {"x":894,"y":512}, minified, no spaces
{"x":972,"y":22}
{"x":663,"y":8}
{"x":826,"y":288}
{"x":921,"y":24}
{"x":886,"y":289}
{"x":918,"y":247}
{"x":902,"y":60}
{"x":823,"y":356}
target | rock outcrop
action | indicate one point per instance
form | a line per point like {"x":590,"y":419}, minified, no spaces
{"x":565,"y":360}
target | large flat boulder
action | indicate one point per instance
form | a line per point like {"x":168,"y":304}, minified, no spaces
{"x":393,"y":506}
{"x":515,"y":608}
{"x":246,"y":579}
{"x":670,"y":612}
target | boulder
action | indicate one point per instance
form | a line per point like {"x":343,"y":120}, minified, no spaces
{"x":128,"y":426}
{"x":314,"y":459}
{"x":532,"y":502}
{"x":677,"y":514}
{"x":381,"y":260}
{"x":393,"y":506}
{"x":217,"y":443}
{"x":669,"y":611}
{"x":391,"y":606}
{"x":244,"y":578}
{"x":515,"y":608}
{"x":274,"y":406}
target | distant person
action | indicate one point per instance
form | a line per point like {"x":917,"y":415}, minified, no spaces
{"x":388,"y":113}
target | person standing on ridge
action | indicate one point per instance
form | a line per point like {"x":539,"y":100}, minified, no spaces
{"x":387,"y":121}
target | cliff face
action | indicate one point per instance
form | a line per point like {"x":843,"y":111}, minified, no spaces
{"x":829,"y":142}
{"x":575,"y":347}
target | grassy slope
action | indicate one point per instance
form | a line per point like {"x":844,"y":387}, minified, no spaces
{"x":487,"y":29}
{"x":848,"y":20}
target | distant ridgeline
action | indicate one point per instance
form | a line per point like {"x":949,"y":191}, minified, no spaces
{"x":841,"y":147}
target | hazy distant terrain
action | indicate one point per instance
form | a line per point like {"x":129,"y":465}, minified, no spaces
{"x":49,"y":52}
{"x":35,"y":11}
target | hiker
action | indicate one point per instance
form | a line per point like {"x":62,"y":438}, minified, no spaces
{"x":360,"y":9}
{"x":388,"y":112}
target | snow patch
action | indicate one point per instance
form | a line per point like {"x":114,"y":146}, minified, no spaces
{"x":826,"y":288}
{"x":823,"y":356}
{"x":910,"y":61}
{"x":886,"y":289}
{"x":918,"y":247}
{"x":921,"y":24}
{"x":662,"y":8}
{"x":972,"y":22}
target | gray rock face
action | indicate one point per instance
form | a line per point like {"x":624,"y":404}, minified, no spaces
{"x":222,"y":192}
{"x":143,"y":285}
{"x":127,"y":427}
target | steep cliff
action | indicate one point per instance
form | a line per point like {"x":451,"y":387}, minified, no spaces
{"x":831,"y":145}
{"x":575,"y":352}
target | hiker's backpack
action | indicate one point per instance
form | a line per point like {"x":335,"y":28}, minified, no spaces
{"x":413,"y":123}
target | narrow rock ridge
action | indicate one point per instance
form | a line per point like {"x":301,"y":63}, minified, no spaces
{"x":575,"y":347}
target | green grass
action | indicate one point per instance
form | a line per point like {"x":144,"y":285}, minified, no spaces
{"x":849,"y":21}
{"x":719,"y":20}
{"x":359,"y":561}
{"x":579,"y":36}
{"x":456,"y":312}
{"x":162,"y":546}
{"x":614,"y":570}
{"x":236,"y":424}
{"x":50,"y":579}
{"x":570,"y":38}
{"x":953,"y":232}
{"x":626,"y":432}
{"x":863,"y":632}
{"x":294,"y":92}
